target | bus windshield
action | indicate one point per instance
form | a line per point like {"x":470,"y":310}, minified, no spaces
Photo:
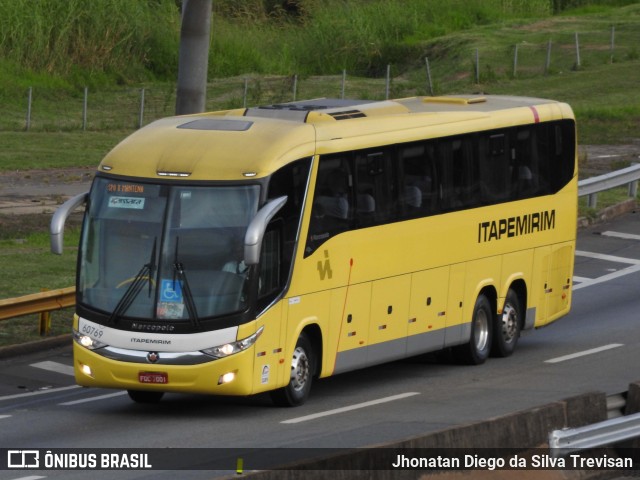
{"x":165,"y":252}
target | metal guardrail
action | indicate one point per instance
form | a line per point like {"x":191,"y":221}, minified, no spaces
{"x":601,"y":434}
{"x":37,"y":302}
{"x":626,"y":176}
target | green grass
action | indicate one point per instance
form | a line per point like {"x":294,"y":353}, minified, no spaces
{"x":90,"y":41}
{"x":330,"y":35}
{"x":601,"y":92}
{"x":25,"y":329}
{"x":43,"y":270}
{"x":607,"y":110}
{"x":45,"y":150}
{"x":32,"y":268}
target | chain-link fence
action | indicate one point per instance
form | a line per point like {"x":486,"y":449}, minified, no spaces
{"x":129,"y":108}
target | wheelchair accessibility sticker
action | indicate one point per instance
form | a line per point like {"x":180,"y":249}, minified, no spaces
{"x":171,"y":291}
{"x":171,"y":304}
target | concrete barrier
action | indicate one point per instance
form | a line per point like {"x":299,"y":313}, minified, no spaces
{"x":522,"y":431}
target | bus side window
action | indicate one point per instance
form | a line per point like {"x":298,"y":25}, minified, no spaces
{"x":494,"y":169}
{"x":290,"y":181}
{"x":561,"y":153}
{"x":270,"y":278}
{"x":525,"y":175}
{"x":331,"y":212}
{"x":418,"y":191}
{"x":460,"y":182}
{"x":373,"y":188}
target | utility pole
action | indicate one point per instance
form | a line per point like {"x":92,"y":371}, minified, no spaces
{"x":193,"y":62}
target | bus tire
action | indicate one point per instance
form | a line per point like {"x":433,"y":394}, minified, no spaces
{"x":477,"y":350}
{"x":145,"y":396}
{"x":302,"y":371}
{"x":507,"y":326}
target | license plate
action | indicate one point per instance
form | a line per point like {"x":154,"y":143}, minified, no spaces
{"x":153,"y":377}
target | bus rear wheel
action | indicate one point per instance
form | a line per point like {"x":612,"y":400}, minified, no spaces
{"x":302,"y":371}
{"x":144,"y":396}
{"x":477,"y":350}
{"x":507,"y":326}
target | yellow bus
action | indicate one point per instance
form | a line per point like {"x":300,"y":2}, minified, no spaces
{"x":253,"y":250}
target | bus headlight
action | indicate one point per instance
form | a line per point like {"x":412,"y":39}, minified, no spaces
{"x":87,"y":341}
{"x":227,"y":349}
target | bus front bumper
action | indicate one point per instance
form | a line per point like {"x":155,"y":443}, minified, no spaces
{"x":223,"y":376}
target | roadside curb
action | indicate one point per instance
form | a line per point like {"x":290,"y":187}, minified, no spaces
{"x":608,"y":213}
{"x":35,"y":346}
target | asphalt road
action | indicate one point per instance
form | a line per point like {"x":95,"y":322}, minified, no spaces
{"x":596,"y":347}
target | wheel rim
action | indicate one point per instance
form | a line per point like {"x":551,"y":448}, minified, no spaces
{"x":300,"y":369}
{"x":481,"y":330}
{"x":509,"y":320}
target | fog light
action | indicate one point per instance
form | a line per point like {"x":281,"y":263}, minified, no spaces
{"x":86,"y":369}
{"x":226,"y":378}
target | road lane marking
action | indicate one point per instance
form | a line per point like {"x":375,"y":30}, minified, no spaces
{"x":37,"y":392}
{"x":93,"y":399}
{"x":626,"y":236}
{"x":32,"y":477}
{"x":584,"y":353}
{"x":4,"y":416}
{"x":351,"y":407}
{"x":609,"y":276}
{"x":587,"y":282}
{"x":608,"y":258}
{"x":577,"y":279}
{"x":54,"y":367}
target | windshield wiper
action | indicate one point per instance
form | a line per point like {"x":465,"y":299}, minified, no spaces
{"x":145,"y":274}
{"x":178,"y":270}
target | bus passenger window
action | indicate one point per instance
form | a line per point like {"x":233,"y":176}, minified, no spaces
{"x":525,"y":165}
{"x":561,"y":154}
{"x":331,"y":212}
{"x":269,"y":283}
{"x":494,"y":169}
{"x":419,"y":195}
{"x":460,"y":186}
{"x":290,"y":181}
{"x":374,"y":185}
{"x":556,"y":144}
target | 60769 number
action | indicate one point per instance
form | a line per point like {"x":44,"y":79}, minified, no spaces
{"x":91,"y":331}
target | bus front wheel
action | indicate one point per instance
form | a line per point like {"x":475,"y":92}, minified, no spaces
{"x":477,"y":350}
{"x":507,"y":326}
{"x":302,"y":370}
